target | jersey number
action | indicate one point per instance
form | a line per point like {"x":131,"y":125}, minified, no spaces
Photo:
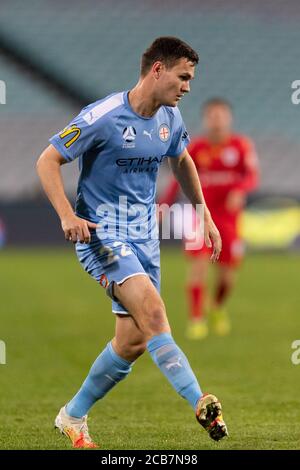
{"x":110,"y":256}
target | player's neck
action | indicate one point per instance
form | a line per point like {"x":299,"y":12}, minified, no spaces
{"x":142,"y":102}
{"x":219,"y":138}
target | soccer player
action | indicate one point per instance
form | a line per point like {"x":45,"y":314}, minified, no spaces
{"x":121,"y":141}
{"x":227,"y":166}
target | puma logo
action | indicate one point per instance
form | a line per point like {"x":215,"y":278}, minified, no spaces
{"x":174,"y":364}
{"x":149,"y":134}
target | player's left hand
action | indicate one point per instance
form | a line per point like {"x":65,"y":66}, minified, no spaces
{"x":212,"y":237}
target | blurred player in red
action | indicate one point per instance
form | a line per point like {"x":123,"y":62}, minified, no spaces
{"x":228,"y":170}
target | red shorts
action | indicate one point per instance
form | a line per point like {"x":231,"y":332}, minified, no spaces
{"x":232,"y":244}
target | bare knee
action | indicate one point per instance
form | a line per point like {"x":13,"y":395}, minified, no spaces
{"x":156,"y":321}
{"x":145,"y":305}
{"x":135,"y":350}
{"x":129,"y":350}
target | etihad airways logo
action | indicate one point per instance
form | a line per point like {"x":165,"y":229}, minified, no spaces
{"x":140,"y":164}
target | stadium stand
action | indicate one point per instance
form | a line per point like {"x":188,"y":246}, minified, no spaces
{"x":96,"y":47}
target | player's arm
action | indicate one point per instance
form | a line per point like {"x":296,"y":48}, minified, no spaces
{"x":185,"y":172}
{"x":249,"y":178}
{"x":49,"y":171}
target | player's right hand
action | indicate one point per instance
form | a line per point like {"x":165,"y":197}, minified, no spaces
{"x":212,"y":237}
{"x":77,"y":229}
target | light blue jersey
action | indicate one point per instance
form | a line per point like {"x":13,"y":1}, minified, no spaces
{"x":120,"y":153}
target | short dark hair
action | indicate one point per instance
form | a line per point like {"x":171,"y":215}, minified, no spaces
{"x":168,"y":50}
{"x":216,"y":101}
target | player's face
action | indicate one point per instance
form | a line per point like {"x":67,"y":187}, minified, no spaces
{"x":174,"y":82}
{"x":217,"y":120}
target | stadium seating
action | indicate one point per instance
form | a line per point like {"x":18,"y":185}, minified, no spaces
{"x":250,"y":57}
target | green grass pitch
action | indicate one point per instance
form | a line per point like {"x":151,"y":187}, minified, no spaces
{"x":55,"y":320}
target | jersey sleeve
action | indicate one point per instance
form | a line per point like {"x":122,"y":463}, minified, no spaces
{"x":82,"y":134}
{"x":180,"y":136}
{"x":250,"y":177}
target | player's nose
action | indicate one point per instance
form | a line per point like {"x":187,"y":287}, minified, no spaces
{"x":186,"y":88}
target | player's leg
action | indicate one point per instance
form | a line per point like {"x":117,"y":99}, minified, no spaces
{"x":144,"y":303}
{"x":129,"y":342}
{"x":111,"y":366}
{"x":196,"y":289}
{"x":225,"y":281}
{"x":141,"y":299}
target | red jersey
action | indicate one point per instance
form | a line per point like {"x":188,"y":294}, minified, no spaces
{"x":224,"y":167}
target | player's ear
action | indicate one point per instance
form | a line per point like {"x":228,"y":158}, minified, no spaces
{"x":157,"y":69}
